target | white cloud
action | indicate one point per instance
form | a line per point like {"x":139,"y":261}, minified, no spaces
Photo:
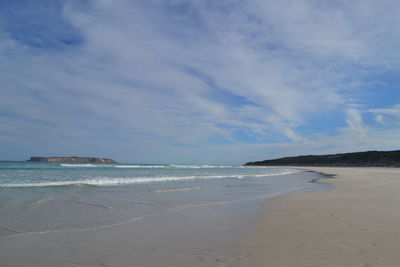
{"x":170,"y":74}
{"x":379,"y":118}
{"x":355,"y":123}
{"x":387,"y":116}
{"x":387,"y":111}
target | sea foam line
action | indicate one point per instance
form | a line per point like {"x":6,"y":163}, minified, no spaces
{"x":87,"y":165}
{"x":137,"y":180}
{"x":138,"y":166}
{"x":176,"y":209}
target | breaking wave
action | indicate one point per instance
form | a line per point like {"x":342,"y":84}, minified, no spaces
{"x":138,"y":166}
{"x":136,"y":180}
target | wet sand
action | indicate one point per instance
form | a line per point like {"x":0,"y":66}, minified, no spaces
{"x":191,"y":237}
{"x":198,"y":234}
{"x":355,"y":224}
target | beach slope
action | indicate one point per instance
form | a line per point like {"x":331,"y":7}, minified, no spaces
{"x":355,"y":224}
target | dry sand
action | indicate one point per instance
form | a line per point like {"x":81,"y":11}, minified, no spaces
{"x":355,"y":224}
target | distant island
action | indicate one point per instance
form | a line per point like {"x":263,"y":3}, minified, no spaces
{"x":356,"y":159}
{"x":71,"y":160}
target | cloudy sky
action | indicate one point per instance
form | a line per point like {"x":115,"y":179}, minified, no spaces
{"x":198,"y":81}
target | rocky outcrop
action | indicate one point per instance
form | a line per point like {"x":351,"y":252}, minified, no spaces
{"x":357,"y":159}
{"x":71,"y":160}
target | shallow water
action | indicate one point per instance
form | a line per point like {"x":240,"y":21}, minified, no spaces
{"x":54,"y":197}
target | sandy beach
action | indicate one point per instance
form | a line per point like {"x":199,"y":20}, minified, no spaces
{"x":354,"y":224}
{"x":189,"y":221}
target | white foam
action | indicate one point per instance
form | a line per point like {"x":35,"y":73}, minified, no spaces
{"x":199,"y":166}
{"x":85,"y":165}
{"x":138,"y":180}
{"x":172,"y":166}
{"x":140,"y":166}
{"x":131,"y":220}
{"x":174,"y":189}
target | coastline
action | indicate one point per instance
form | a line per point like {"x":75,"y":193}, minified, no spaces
{"x":353,"y":224}
{"x":197,"y":232}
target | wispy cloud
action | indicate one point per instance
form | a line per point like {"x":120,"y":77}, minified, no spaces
{"x":355,"y":123}
{"x":388,"y":111}
{"x":146,"y":81}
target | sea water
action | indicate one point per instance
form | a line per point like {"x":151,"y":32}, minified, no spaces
{"x":53,"y":197}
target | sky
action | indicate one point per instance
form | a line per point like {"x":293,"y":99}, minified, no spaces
{"x":198,"y":81}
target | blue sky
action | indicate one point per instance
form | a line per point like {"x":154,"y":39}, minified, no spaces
{"x":179,"y":81}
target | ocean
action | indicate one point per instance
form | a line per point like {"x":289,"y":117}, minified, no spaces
{"x":60,"y":197}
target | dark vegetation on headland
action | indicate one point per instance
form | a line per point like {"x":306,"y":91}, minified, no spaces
{"x":71,"y":160}
{"x":356,"y":159}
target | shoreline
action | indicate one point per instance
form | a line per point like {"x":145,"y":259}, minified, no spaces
{"x":191,"y":235}
{"x":353,"y":224}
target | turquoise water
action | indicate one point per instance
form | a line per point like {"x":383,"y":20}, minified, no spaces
{"x":46,"y":197}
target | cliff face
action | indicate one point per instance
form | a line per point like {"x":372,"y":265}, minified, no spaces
{"x":71,"y":160}
{"x":357,"y":159}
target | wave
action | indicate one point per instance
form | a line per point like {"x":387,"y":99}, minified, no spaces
{"x":138,"y":166}
{"x":198,"y":166}
{"x":199,"y":188}
{"x":174,"y":189}
{"x":86,"y":165}
{"x":172,"y":166}
{"x":136,"y":180}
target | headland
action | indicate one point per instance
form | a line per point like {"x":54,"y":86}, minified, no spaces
{"x":356,"y":159}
